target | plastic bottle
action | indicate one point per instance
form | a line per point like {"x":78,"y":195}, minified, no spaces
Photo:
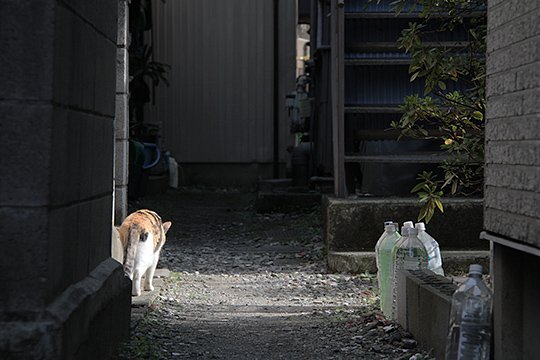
{"x":173,"y":172}
{"x":408,"y":254}
{"x":470,"y":319}
{"x":432,"y":247}
{"x":383,"y":256}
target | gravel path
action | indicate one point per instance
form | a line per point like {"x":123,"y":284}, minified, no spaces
{"x":254,"y":286}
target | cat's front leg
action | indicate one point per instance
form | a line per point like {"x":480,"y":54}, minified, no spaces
{"x":136,"y":284}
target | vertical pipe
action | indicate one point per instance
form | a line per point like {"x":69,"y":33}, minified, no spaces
{"x":276,"y":89}
{"x":337,"y":88}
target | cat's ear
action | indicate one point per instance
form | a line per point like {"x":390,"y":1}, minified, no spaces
{"x":167,"y":226}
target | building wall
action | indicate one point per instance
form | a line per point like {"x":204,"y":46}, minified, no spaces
{"x":513,"y":126}
{"x":121,"y":117}
{"x":57,"y":104}
{"x":512,"y":210}
{"x":219,"y":106}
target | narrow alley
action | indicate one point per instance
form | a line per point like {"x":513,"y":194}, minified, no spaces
{"x":244,"y":285}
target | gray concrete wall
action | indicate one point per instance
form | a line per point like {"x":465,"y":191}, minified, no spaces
{"x":423,"y":308}
{"x":512,"y":196}
{"x":512,"y":207}
{"x":121,"y":116}
{"x":219,"y":106}
{"x":57,"y":106}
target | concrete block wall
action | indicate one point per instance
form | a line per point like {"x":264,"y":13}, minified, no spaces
{"x":57,"y":107}
{"x":121,"y":117}
{"x":423,"y":308}
{"x":512,"y":207}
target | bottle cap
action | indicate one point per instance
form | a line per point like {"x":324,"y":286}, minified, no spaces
{"x":405,"y":231}
{"x":389,"y":222}
{"x":420,"y":226}
{"x":408,"y":224}
{"x":475,"y":269}
{"x":390,"y":227}
{"x":412,"y":231}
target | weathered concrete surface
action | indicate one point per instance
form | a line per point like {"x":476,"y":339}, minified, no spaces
{"x":424,"y":304}
{"x":62,"y":296}
{"x":121,"y":115}
{"x":87,"y":321}
{"x":512,"y":173}
{"x":356,"y":224}
{"x":357,"y":262}
{"x":354,"y":262}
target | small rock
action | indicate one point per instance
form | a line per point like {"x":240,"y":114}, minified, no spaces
{"x":408,"y":343}
{"x":389,"y":328}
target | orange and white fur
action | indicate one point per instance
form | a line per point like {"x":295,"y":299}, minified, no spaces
{"x":142,"y":235}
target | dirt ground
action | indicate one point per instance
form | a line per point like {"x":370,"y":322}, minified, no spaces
{"x":254,"y":286}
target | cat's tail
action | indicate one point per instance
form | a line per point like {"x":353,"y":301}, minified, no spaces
{"x":130,"y":251}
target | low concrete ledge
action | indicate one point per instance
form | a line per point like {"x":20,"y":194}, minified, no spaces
{"x":424,"y":304}
{"x":357,"y":262}
{"x":87,"y":321}
{"x":356,"y":224}
{"x":455,"y":262}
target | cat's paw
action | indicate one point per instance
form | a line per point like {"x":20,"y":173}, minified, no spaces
{"x":148,"y":287}
{"x":136,"y":293}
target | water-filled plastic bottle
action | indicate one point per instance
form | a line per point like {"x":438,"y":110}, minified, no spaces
{"x":408,"y":254}
{"x":383,"y":256}
{"x":470,"y":319}
{"x":432,"y":247}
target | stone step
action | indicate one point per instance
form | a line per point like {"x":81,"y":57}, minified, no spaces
{"x":454,"y":262}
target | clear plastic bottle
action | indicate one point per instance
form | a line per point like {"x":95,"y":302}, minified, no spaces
{"x":470,"y":319}
{"x":408,"y":254}
{"x":432,"y":247}
{"x":383,"y":256}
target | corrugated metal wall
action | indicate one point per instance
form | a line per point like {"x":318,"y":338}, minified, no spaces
{"x":219,"y":106}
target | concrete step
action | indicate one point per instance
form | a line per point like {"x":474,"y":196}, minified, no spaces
{"x":357,"y":262}
{"x":356,"y":224}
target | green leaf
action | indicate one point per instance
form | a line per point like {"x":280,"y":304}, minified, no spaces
{"x":417,"y":187}
{"x":414,"y":76}
{"x":442,"y":85}
{"x":422,"y":213}
{"x":439,"y":204}
{"x":454,"y":187}
{"x":429,"y":214}
{"x":478,"y":115}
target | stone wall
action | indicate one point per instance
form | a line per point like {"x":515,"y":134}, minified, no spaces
{"x":512,"y":196}
{"x":57,"y":106}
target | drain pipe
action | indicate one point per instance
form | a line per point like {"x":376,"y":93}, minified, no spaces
{"x":276,"y":88}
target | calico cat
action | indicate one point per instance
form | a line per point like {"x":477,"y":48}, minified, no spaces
{"x":142,"y":235}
